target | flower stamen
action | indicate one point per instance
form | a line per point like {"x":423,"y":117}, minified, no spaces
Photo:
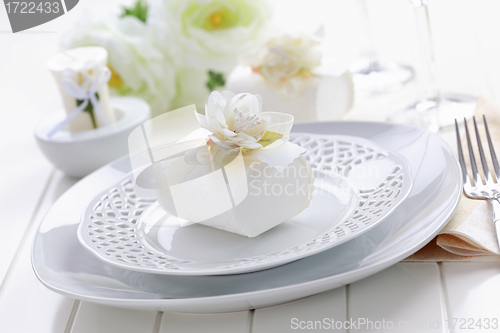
{"x":244,"y":122}
{"x":216,"y":19}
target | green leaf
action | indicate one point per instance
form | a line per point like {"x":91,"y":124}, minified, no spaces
{"x":215,"y":80}
{"x":269,"y":137}
{"x":89,"y":109}
{"x":138,"y":10}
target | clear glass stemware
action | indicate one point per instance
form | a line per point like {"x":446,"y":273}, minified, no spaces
{"x":434,"y":109}
{"x":372,"y":75}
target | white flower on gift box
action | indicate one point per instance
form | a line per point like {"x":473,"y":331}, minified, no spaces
{"x":92,"y":75}
{"x":138,"y":67}
{"x":208,"y":34}
{"x":286,"y":56}
{"x":235,"y":122}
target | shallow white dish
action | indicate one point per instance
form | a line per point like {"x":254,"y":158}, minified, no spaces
{"x":357,"y":185}
{"x":64,"y":266}
{"x":79,"y":153}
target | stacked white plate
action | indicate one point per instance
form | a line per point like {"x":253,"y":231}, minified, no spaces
{"x":106,"y":241}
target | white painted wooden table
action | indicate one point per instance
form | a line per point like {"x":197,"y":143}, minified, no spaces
{"x":412,"y":297}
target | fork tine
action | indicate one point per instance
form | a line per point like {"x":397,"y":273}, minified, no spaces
{"x":486,"y":170}
{"x":475,"y":173}
{"x":465,"y":177}
{"x":492,"y":150}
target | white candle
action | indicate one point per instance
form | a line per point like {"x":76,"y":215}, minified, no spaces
{"x":75,"y":61}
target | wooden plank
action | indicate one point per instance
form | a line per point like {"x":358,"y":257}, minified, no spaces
{"x":320,"y":312}
{"x":405,"y":297}
{"x":473,"y":291}
{"x":235,"y":322}
{"x":97,"y":318}
{"x":24,"y":297}
{"x":24,"y":169}
{"x":22,"y":186}
{"x":27,"y":306}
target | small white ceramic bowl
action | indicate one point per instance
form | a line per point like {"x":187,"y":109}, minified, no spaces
{"x":79,"y":153}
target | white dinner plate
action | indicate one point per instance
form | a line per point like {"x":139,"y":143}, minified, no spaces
{"x":64,"y":266}
{"x":357,"y":184}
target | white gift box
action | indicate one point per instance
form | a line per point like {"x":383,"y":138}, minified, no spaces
{"x":244,"y":196}
{"x":327,"y":95}
{"x":244,"y":187}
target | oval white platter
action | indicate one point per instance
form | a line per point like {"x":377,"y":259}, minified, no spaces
{"x":357,"y":185}
{"x":64,"y":266}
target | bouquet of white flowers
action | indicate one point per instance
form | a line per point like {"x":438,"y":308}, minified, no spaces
{"x":173,"y":52}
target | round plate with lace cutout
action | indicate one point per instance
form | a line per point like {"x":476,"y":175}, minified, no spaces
{"x":357,"y":185}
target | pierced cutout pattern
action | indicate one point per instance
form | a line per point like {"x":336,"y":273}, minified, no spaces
{"x":110,"y":228}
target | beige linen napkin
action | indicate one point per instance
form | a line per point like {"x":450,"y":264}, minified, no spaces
{"x":470,"y":232}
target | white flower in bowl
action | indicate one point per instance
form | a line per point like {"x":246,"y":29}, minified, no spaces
{"x":208,"y":34}
{"x":138,"y":67}
{"x":234,"y":121}
{"x":86,"y":76}
{"x":286,"y":56}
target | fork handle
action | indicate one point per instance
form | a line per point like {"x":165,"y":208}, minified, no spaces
{"x":495,"y":204}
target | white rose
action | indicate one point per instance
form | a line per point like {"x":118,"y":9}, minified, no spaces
{"x":138,"y":67}
{"x":286,"y":56}
{"x":208,"y":34}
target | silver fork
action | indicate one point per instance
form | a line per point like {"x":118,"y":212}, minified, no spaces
{"x":489,"y":189}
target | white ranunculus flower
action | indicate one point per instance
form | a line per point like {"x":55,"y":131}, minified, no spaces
{"x":286,"y":56}
{"x":208,"y":34}
{"x":138,"y":67}
{"x":234,"y":120}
